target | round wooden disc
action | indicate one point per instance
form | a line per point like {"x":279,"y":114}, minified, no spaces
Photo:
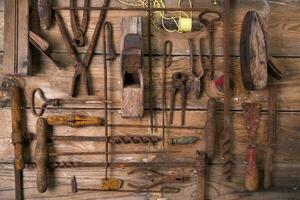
{"x":254,"y":53}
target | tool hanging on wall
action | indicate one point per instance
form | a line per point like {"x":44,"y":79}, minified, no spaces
{"x":211,"y":127}
{"x":185,"y":24}
{"x":81,"y":67}
{"x":167,"y":62}
{"x":252,"y":112}
{"x":42,"y":46}
{"x":183,"y":140}
{"x":227,"y":129}
{"x":272,"y":125}
{"x":164,"y":189}
{"x":196,"y":85}
{"x":54,"y":102}
{"x":156,"y":178}
{"x":17,"y":54}
{"x":78,"y":29}
{"x":201,"y":175}
{"x":178,"y":84}
{"x":254,"y":52}
{"x":74,"y":121}
{"x":132,"y":82}
{"x":44,"y":8}
{"x":209,"y":18}
{"x":17,"y":137}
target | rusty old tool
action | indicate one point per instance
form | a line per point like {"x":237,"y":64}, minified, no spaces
{"x":183,"y":140}
{"x":272,"y":125}
{"x":44,"y":8}
{"x":155,"y":178}
{"x":252,"y":112}
{"x":110,"y":50}
{"x":209,"y":18}
{"x":74,"y":121}
{"x":196,"y":77}
{"x":167,"y":61}
{"x":78,"y":29}
{"x":17,"y":137}
{"x":54,"y":102}
{"x":211,"y":127}
{"x":42,"y":46}
{"x":41,"y":154}
{"x":201,"y":173}
{"x":164,"y":189}
{"x":227,"y":129}
{"x":178,"y":84}
{"x":172,"y":24}
{"x":81,"y":67}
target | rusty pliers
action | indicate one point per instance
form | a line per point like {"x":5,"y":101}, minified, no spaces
{"x":155,"y":178}
{"x":178,"y":84}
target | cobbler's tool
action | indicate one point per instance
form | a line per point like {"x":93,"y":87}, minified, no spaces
{"x":227,"y":129}
{"x":272,"y":125}
{"x":44,"y":8}
{"x":78,"y":29}
{"x":196,"y":76}
{"x":252,"y":112}
{"x":275,"y":68}
{"x":178,"y":84}
{"x":17,"y":137}
{"x":74,"y":121}
{"x":54,"y":102}
{"x":17,"y":54}
{"x":209,"y":18}
{"x":81,"y":67}
{"x":132,"y":83}
{"x":211,"y":127}
{"x":155,"y":178}
{"x":167,"y":61}
{"x":254,"y":52}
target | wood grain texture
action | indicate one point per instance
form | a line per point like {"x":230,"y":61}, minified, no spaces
{"x":285,"y":40}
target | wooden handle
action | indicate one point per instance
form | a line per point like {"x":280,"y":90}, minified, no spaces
{"x":211,"y":127}
{"x":251,"y":178}
{"x":74,"y":121}
{"x":17,"y":135}
{"x":43,"y":44}
{"x":41,"y":155}
{"x":201,"y":172}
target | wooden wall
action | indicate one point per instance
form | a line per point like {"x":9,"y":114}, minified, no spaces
{"x":284,"y":33}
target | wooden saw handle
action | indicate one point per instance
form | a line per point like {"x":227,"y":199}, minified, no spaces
{"x":17,"y":135}
{"x":74,"y":121}
{"x":41,"y":154}
{"x":251,"y":179}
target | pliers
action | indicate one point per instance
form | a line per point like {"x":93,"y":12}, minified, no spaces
{"x":155,"y":178}
{"x":178,"y":84}
{"x":80,"y":68}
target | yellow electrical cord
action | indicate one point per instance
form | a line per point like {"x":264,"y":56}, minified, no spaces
{"x":184,"y":23}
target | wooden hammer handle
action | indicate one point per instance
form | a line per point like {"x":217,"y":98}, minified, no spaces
{"x":74,"y":121}
{"x":201,"y":173}
{"x":41,"y":155}
{"x":17,"y":135}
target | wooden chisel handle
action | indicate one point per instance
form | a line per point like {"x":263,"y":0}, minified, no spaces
{"x":74,"y":121}
{"x":211,"y":127}
{"x":41,"y":155}
{"x":251,"y":178}
{"x":201,"y":172}
{"x":17,"y":135}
